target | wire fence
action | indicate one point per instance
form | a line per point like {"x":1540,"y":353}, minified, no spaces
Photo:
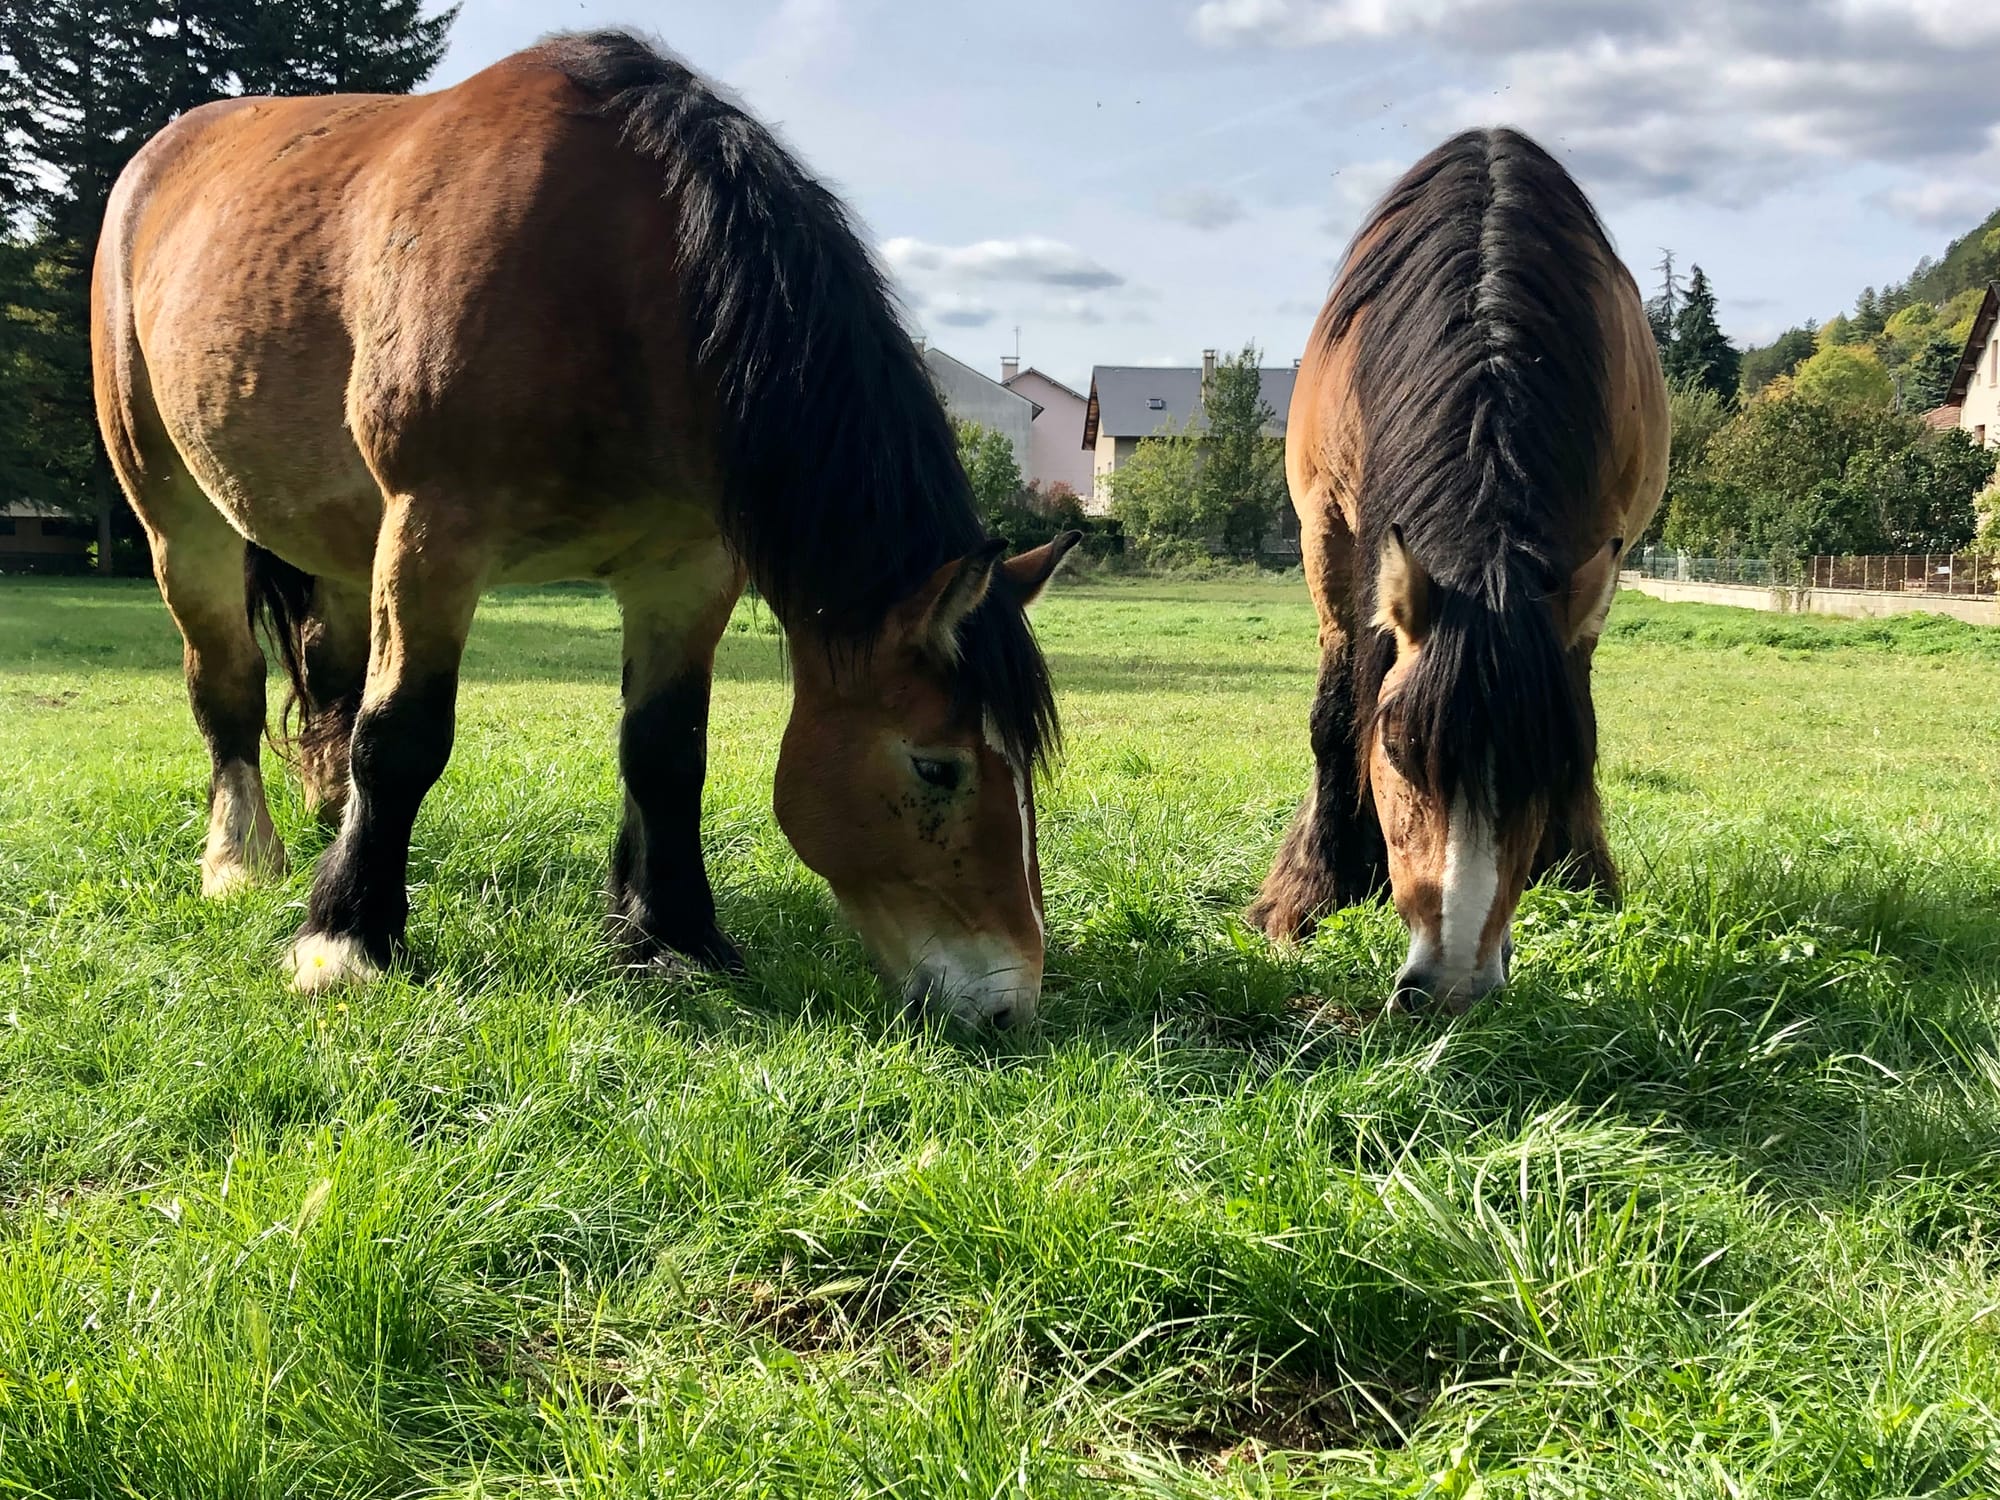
{"x":1952,"y":573}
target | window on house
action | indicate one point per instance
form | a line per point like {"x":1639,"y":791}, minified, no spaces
{"x":1979,"y":434}
{"x":7,"y":527}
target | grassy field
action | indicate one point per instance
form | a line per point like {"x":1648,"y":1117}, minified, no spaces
{"x":1706,"y":1204}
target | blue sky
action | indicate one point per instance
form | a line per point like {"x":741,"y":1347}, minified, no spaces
{"x":1130,"y":181}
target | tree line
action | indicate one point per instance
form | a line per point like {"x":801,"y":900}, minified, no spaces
{"x":84,"y":84}
{"x":1816,"y":442}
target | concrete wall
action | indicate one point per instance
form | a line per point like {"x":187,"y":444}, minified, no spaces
{"x":1980,"y":413}
{"x":1055,"y":448}
{"x":971,"y":397}
{"x":1852,"y":604}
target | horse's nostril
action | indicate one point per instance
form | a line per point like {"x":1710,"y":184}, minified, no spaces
{"x":1003,"y":1018}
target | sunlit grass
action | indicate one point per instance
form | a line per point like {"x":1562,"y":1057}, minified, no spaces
{"x":1707,"y":1204}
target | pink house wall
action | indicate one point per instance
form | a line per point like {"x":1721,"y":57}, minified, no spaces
{"x":1056,"y":454}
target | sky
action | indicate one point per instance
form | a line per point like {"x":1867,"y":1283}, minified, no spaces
{"x":1133,"y":181}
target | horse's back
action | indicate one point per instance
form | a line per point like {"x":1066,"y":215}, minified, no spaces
{"x":1326,"y":446}
{"x":330,"y":298}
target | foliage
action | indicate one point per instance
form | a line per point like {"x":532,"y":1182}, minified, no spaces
{"x":1847,"y":375}
{"x":1697,"y":414}
{"x":1795,"y":474}
{"x":1218,"y":480}
{"x":1781,"y":356}
{"x":1699,"y":352}
{"x":1916,"y":329}
{"x":1242,"y":473}
{"x":1927,"y":375}
{"x":1158,"y":497}
{"x":991,"y":466}
{"x":1702,"y":1204}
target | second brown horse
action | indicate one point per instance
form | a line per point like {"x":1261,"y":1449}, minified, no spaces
{"x":1478,"y":429}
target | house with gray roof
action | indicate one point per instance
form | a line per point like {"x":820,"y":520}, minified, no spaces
{"x":972,"y":397}
{"x":1130,"y":402}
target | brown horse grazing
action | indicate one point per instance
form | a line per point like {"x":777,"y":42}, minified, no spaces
{"x":577,"y":317}
{"x":1479,"y":426}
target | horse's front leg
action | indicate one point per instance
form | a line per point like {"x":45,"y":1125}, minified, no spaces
{"x":662,"y":909}
{"x":1333,"y":854}
{"x":423,"y":594}
{"x":1574,"y":851}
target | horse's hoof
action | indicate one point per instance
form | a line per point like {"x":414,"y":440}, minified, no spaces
{"x":224,"y":875}
{"x":324,"y":961}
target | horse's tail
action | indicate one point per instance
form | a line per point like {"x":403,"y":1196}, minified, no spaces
{"x":279,"y":599}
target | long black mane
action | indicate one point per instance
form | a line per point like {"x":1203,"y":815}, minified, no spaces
{"x":1481,"y":370}
{"x":842,"y":485}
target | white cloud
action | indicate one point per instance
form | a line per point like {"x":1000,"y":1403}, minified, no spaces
{"x":955,"y":310}
{"x":1202,"y":208}
{"x":1945,"y":203}
{"x":1029,"y":259}
{"x":1724,"y":100}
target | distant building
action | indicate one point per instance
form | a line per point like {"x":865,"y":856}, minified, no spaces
{"x":1130,"y":402}
{"x":972,"y":397}
{"x":1974,"y":398}
{"x":37,"y":538}
{"x":1055,"y":451}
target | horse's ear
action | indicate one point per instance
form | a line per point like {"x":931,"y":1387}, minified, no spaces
{"x":930,"y":617}
{"x":1402,"y":590}
{"x":1590,"y":589}
{"x":1029,"y":574}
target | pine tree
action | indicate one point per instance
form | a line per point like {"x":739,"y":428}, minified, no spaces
{"x":1662,"y":307}
{"x":338,"y":46}
{"x":1699,"y":352}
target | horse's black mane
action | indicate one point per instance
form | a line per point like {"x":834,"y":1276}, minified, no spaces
{"x":843,"y":489}
{"x":1481,"y":370}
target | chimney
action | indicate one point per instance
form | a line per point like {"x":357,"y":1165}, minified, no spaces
{"x":1207,"y":367}
{"x":1296,"y":363}
{"x":1010,"y":366}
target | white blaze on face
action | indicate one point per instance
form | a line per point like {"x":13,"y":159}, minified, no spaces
{"x":1450,"y":959}
{"x":1471,"y":880}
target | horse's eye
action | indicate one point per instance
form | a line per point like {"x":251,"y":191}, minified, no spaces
{"x":942,"y":774}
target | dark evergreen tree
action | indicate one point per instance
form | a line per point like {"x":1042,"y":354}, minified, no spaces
{"x":1927,"y":377}
{"x":1699,"y":352}
{"x":338,"y":46}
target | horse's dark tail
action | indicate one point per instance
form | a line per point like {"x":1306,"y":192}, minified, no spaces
{"x":279,"y":599}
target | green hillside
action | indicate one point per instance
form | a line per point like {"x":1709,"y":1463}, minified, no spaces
{"x":1916,"y":328}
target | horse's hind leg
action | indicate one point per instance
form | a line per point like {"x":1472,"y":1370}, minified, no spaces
{"x":1333,"y":855}
{"x":426,"y":584}
{"x":661,"y":903}
{"x":333,"y":646}
{"x":198,"y":560}
{"x":1574,"y":851}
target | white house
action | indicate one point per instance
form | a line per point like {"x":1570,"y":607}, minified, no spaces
{"x":1973,"y":403}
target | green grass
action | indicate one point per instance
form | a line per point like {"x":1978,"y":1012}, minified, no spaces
{"x":1706,"y":1204}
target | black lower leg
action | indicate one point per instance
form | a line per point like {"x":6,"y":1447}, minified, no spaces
{"x":1574,"y":850}
{"x":399,"y":750}
{"x":1333,"y":854}
{"x":660,"y":896}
